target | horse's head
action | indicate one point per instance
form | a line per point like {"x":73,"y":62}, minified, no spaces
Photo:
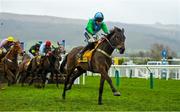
{"x":57,"y":52}
{"x":61,"y":48}
{"x":117,"y":39}
{"x":17,"y":48}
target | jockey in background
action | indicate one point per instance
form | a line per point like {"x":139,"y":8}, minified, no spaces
{"x":34,"y":50}
{"x":45,"y":48}
{"x":93,"y":27}
{"x":6,"y":44}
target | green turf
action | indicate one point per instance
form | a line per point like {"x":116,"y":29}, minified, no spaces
{"x":136,"y":95}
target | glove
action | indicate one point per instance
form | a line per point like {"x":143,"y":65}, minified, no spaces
{"x":91,"y":40}
{"x":49,"y":53}
{"x":4,"y":50}
{"x":94,"y":36}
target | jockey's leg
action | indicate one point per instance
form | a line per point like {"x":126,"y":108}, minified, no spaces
{"x":87,"y":47}
{"x":32,"y":56}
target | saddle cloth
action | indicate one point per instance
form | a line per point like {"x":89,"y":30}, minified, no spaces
{"x":87,"y":56}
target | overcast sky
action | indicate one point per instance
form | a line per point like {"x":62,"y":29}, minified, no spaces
{"x":126,"y":11}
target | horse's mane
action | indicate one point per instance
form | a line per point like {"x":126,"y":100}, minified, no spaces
{"x":114,"y":30}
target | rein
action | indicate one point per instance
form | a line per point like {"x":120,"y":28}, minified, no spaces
{"x":109,"y":43}
{"x":102,"y":51}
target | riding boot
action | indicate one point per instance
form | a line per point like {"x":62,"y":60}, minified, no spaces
{"x":87,"y":47}
{"x":82,"y":52}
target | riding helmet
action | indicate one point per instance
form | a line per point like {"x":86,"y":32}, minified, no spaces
{"x":48,"y":43}
{"x":99,"y":16}
{"x":10,"y":39}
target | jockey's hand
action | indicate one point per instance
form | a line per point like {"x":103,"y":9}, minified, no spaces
{"x":37,"y":53}
{"x":94,"y":36}
{"x":49,"y":53}
{"x":91,"y":40}
{"x":4,"y":50}
{"x":104,"y":34}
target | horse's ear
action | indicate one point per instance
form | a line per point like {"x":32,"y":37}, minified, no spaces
{"x":110,"y":34}
{"x":123,"y":30}
{"x":58,"y":43}
{"x":17,"y":41}
{"x":115,"y":27}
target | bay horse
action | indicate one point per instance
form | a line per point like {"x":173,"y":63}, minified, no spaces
{"x":39,"y":67}
{"x":29,"y":68}
{"x":100,"y":62}
{"x":51,"y":64}
{"x":10,"y":63}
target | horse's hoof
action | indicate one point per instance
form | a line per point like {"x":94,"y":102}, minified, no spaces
{"x":2,"y":88}
{"x":63,"y":97}
{"x":117,"y":94}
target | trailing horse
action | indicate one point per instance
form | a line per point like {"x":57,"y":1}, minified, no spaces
{"x":51,"y":64}
{"x":27,"y":67}
{"x":100,"y":62}
{"x":39,"y":66}
{"x":10,"y":63}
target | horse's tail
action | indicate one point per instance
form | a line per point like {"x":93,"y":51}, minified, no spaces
{"x":63,"y":64}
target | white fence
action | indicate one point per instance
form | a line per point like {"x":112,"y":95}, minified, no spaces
{"x":143,"y":71}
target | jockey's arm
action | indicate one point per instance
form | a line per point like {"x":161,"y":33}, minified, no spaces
{"x":89,"y":27}
{"x":3,"y":42}
{"x":42,"y":50}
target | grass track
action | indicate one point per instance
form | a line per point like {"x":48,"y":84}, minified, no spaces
{"x":136,"y":95}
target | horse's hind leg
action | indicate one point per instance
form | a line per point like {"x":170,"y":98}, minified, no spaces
{"x":66,"y":83}
{"x":65,"y":86}
{"x":74,"y":76}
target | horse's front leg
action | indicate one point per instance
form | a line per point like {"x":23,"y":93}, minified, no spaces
{"x":10,"y":77}
{"x":16,"y":75}
{"x":43,"y":77}
{"x":101,"y":90}
{"x":73,"y":77}
{"x":57,"y":80}
{"x":105,"y":75}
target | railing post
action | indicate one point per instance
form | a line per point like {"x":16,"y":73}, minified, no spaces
{"x":151,"y":81}
{"x":117,"y":76}
{"x":130,"y":75}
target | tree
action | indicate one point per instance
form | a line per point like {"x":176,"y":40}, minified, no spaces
{"x":156,"y":49}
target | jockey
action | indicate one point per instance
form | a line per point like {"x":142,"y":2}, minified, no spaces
{"x":45,"y":48}
{"x":34,"y":50}
{"x":93,"y":27}
{"x":6,"y":44}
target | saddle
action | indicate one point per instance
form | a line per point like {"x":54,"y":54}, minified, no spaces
{"x":37,"y":60}
{"x":87,"y":56}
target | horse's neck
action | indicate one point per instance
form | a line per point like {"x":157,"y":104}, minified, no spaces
{"x":105,"y":46}
{"x":11,"y":55}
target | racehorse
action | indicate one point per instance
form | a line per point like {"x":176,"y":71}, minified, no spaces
{"x":10,"y":63}
{"x":100,"y":62}
{"x":51,"y":64}
{"x":25,"y":68}
{"x":39,"y":66}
